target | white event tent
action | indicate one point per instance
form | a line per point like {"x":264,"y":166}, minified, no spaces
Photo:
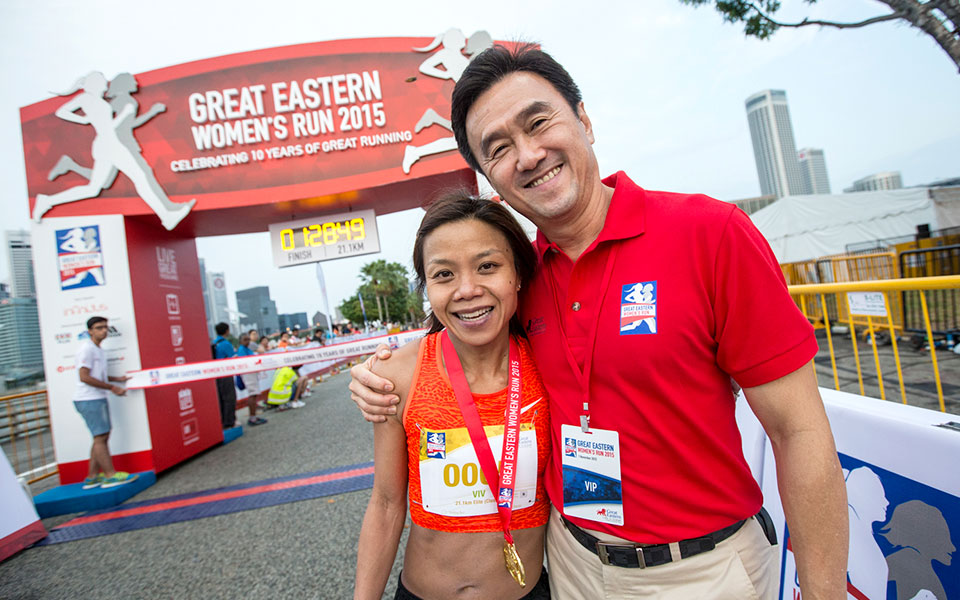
{"x":807,"y":227}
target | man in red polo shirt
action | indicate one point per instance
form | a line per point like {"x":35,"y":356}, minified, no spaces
{"x":644,"y":306}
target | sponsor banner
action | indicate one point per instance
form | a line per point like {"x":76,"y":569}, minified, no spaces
{"x":212,"y":369}
{"x":64,"y":310}
{"x":871,"y":304}
{"x":168,"y":301}
{"x":903,"y":497}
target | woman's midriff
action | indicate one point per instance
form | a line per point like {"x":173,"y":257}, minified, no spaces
{"x":439,"y":565}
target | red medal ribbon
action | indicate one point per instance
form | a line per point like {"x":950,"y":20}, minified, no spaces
{"x":501,"y":483}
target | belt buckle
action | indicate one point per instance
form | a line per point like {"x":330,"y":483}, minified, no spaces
{"x":605,"y":557}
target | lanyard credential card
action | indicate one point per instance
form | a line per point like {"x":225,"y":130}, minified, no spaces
{"x":502,"y":483}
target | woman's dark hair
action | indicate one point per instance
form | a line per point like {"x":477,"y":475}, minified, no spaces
{"x":460,"y":205}
{"x":488,"y":68}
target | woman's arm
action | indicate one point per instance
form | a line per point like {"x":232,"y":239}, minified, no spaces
{"x":156,"y":109}
{"x":387,"y":509}
{"x":67,"y":112}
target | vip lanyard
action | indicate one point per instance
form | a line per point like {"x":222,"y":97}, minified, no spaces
{"x":583,"y":376}
{"x":502,"y":484}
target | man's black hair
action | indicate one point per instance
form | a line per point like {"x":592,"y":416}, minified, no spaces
{"x":492,"y":65}
{"x":221,"y":328}
{"x":95,"y":320}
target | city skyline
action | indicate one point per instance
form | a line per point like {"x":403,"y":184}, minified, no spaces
{"x":675,"y":123}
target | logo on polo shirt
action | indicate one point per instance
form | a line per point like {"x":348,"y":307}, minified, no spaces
{"x":535,"y":326}
{"x":638,"y":308}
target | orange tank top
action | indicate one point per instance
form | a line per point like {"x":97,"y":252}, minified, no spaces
{"x":447,"y":489}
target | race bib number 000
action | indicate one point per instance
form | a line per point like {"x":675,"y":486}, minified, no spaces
{"x":452,"y":483}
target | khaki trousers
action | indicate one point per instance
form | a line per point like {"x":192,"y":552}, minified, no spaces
{"x":742,"y":567}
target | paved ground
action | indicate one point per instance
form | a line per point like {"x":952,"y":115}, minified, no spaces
{"x":303,"y":549}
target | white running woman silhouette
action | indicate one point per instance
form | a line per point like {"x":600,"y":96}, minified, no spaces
{"x":110,"y":154}
{"x":451,"y":58}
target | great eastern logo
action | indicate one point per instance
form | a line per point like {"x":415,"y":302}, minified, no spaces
{"x":638,"y":308}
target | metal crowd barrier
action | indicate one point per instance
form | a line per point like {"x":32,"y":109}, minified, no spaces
{"x":813,"y":300}
{"x":945,"y":304}
{"x":870,"y":266}
{"x":25,"y":435}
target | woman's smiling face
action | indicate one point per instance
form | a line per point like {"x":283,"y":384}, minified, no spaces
{"x":471,"y":281}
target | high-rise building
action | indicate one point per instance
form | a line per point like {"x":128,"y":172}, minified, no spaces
{"x":217,"y":285}
{"x":260,"y":310}
{"x":21,"y":264}
{"x":4,"y":290}
{"x":813,"y":170}
{"x":20,"y":348}
{"x":889,"y":180}
{"x":773,"y":146}
{"x":214,"y":299}
{"x":291,"y":320}
{"x":321,"y":320}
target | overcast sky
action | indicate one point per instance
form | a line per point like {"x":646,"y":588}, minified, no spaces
{"x":663,"y":83}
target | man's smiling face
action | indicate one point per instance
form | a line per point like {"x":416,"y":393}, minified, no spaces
{"x":535,"y":151}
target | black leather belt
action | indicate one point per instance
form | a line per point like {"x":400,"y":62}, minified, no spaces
{"x":630,"y":555}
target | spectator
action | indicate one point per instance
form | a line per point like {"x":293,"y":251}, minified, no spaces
{"x":254,"y":340}
{"x":250,"y":381}
{"x":284,"y":392}
{"x":90,"y":400}
{"x":226,"y":392}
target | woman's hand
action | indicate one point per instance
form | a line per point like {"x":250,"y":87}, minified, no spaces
{"x":372,"y":393}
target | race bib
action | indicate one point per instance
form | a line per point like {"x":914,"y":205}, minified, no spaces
{"x":452,"y":483}
{"x":592,"y":486}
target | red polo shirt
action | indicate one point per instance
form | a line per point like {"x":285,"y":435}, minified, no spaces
{"x":677,"y":294}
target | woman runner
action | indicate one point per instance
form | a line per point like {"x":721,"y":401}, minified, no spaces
{"x":470,"y":397}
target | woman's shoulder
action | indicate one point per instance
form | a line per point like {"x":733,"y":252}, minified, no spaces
{"x":400,"y":367}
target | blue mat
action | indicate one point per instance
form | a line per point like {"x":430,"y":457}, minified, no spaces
{"x":72,"y":498}
{"x":231,"y":434}
{"x":210,"y":503}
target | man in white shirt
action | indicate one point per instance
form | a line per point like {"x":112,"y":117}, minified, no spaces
{"x":90,"y":400}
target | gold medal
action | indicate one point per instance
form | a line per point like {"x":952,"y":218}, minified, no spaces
{"x":514,"y":565}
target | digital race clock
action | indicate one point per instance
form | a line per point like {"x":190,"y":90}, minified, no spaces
{"x":326,"y":237}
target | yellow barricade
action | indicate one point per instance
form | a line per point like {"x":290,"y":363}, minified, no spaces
{"x":835,"y":269}
{"x":870,"y":303}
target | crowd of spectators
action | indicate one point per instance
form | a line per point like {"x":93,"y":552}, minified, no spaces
{"x":279,"y":389}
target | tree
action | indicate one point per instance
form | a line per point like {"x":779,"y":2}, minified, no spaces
{"x":940,"y":19}
{"x":384,"y":289}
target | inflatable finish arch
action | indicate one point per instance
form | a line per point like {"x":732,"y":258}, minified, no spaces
{"x":123,"y":174}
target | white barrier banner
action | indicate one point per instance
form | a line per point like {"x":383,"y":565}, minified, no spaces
{"x":212,"y":369}
{"x":903,"y":497}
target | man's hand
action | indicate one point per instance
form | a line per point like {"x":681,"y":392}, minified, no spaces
{"x":372,"y":392}
{"x":119,"y":391}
